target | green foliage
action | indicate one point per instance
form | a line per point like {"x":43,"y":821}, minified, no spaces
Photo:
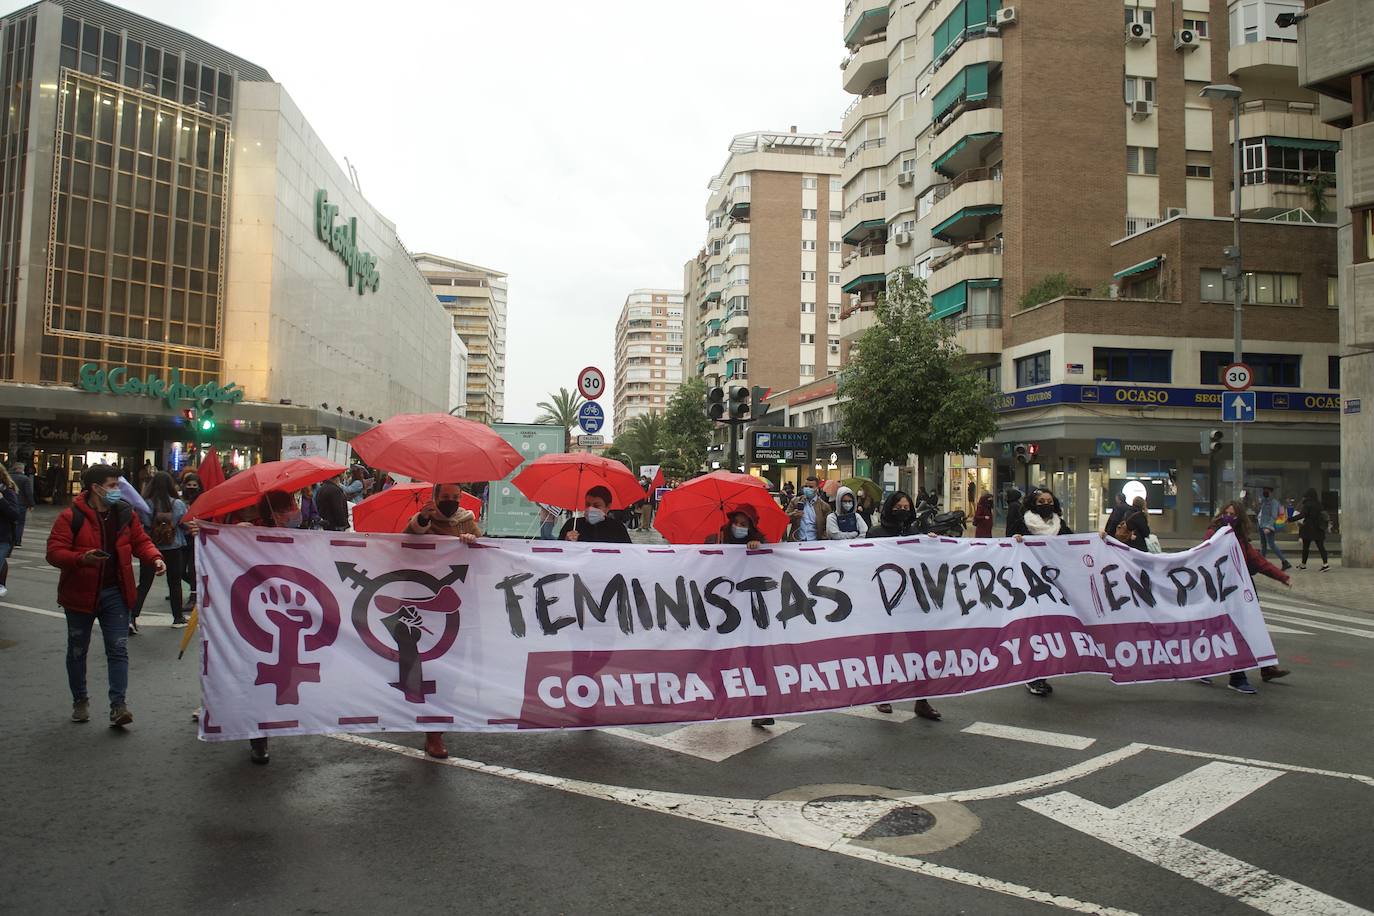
{"x":908,"y":389}
{"x":1050,"y":287}
{"x":641,"y":441}
{"x":1318,"y":183}
{"x":561,"y":410}
{"x":686,"y":430}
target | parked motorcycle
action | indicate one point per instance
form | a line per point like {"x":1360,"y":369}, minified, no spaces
{"x":930,"y":520}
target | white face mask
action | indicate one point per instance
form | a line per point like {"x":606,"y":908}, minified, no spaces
{"x":596,"y":516}
{"x":739,"y":531}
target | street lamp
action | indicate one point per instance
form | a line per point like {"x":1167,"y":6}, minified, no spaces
{"x":1219,"y":92}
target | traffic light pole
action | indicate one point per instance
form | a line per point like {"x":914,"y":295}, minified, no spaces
{"x":1237,"y":297}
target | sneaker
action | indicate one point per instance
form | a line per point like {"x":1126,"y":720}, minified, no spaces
{"x":1273,"y":673}
{"x":1243,"y":686}
{"x":884,"y":707}
{"x":81,"y":711}
{"x":178,"y":623}
{"x":1302,"y":566}
{"x":1287,"y":565}
{"x":1205,"y":680}
{"x":133,"y":626}
{"x":434,"y":745}
{"x":1326,"y":567}
{"x":120,"y":716}
{"x":3,"y":591}
{"x":760,"y":723}
{"x":1039,"y":687}
{"x":257,"y":750}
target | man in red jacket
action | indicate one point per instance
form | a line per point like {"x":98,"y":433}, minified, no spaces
{"x":93,"y":543}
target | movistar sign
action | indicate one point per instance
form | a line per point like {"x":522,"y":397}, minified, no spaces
{"x":342,"y":239}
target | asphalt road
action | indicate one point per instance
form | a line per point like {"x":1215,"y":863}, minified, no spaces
{"x":1168,"y":798}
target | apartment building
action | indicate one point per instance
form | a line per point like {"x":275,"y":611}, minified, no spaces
{"x":476,"y":299}
{"x":762,"y":297}
{"x":1336,"y":59}
{"x":648,"y":353}
{"x":991,"y":146}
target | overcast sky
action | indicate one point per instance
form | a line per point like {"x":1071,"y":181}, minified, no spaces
{"x":567,"y":144}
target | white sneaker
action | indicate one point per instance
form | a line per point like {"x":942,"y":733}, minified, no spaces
{"x":3,"y":591}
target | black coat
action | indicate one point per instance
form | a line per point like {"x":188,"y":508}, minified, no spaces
{"x":331,"y":506}
{"x":1312,"y":520}
{"x":1117,"y":514}
{"x":608,"y":531}
{"x":1016,"y":524}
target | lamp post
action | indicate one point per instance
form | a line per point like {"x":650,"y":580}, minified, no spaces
{"x":1219,"y":92}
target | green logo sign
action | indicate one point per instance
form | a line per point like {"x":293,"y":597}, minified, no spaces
{"x":92,"y":378}
{"x":342,"y":239}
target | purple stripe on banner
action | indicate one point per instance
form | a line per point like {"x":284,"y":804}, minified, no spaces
{"x":1004,"y":544}
{"x":711,"y":553}
{"x":275,"y":539}
{"x":205,"y":723}
{"x":948,"y":541}
{"x":477,"y":545}
{"x":205,"y":659}
{"x":1118,"y":545}
{"x":1097,"y":601}
{"x":1080,"y":543}
{"x":208,"y":533}
{"x":810,"y":548}
{"x":605,"y":550}
{"x":753,"y":553}
{"x":359,"y":720}
{"x":660,"y":550}
{"x":865,"y":544}
{"x":434,"y":720}
{"x":546,"y":550}
{"x":333,"y":543}
{"x":908,"y":540}
{"x":417,"y":545}
{"x":285,"y":723}
{"x":1035,"y":543}
{"x":503,"y":721}
{"x":204,"y":597}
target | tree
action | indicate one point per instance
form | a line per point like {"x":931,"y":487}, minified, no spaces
{"x":640,"y":440}
{"x":909,"y":390}
{"x":561,"y":410}
{"x":686,"y":430}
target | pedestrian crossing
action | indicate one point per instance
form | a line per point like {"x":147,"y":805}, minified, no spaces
{"x":1296,"y":617}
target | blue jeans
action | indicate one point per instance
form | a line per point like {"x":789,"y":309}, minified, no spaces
{"x":1267,"y":540}
{"x":113,"y":615}
{"x":546,"y":530}
{"x":19,"y":525}
{"x":4,"y":559}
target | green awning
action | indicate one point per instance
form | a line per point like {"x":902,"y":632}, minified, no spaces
{"x":1140,"y":268}
{"x":949,"y":301}
{"x":989,"y":283}
{"x":866,"y":18}
{"x":967,"y":213}
{"x":956,"y":148}
{"x":968,"y":15}
{"x":864,"y":228}
{"x":713,"y":353}
{"x":865,"y":280}
{"x":969,"y":84}
{"x":1298,"y":143}
{"x":713,"y":296}
{"x":713,"y":326}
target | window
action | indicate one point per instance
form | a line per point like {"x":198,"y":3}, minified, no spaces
{"x":1363,"y":219}
{"x":833,"y":278}
{"x":1033,"y":369}
{"x":1199,"y":26}
{"x":808,"y":184}
{"x":807,"y":369}
{"x":808,"y":308}
{"x":1261,"y":288}
{"x":1113,"y":364}
{"x":991,"y":374}
{"x":1277,"y":160}
{"x":1271,"y":370}
{"x":1254,"y":20}
{"x":808,"y":244}
{"x":835,"y":214}
{"x":808,"y":338}
{"x":834,"y":186}
{"x":834,"y":343}
{"x":1142,"y":160}
{"x":1333,"y":372}
{"x":1333,"y":292}
{"x":808,"y":214}
{"x":1199,"y":171}
{"x":1139,"y":87}
{"x":1144,"y":16}
{"x":833,"y":313}
{"x":834,"y":247}
{"x":808,"y":275}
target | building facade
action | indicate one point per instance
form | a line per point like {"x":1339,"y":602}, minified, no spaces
{"x":175,"y":237}
{"x":976,"y":164}
{"x":1336,"y":59}
{"x":475,"y":297}
{"x":648,"y":353}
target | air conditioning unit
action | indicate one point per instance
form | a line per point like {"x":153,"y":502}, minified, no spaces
{"x":1171,"y":212}
{"x":1142,"y":109}
{"x":905,"y":177}
{"x":1138,"y":33}
{"x":1185,"y":40}
{"x":1006,"y":16}
{"x":901,"y":238}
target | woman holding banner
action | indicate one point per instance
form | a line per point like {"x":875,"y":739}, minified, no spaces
{"x":1041,"y":517}
{"x":742,"y":527}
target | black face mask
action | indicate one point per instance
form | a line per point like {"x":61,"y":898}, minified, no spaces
{"x":447,"y":507}
{"x":1046,"y":511}
{"x":900,"y":516}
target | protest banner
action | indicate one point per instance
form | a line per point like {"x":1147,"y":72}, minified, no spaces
{"x":308,"y":632}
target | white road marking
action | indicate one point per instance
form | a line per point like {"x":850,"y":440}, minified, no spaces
{"x":1324,"y":615}
{"x":1334,"y":628}
{"x":1265,"y":764}
{"x":1152,"y":825}
{"x":896,"y":717}
{"x":1030,"y":735}
{"x":713,"y":741}
{"x":1275,"y":628}
{"x":34,"y":610}
{"x":146,"y":619}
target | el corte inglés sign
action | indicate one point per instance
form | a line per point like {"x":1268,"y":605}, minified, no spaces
{"x":342,"y":239}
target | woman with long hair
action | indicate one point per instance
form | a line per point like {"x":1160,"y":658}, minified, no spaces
{"x":9,"y":524}
{"x":1312,"y":524}
{"x":163,"y":524}
{"x":1040,"y":516}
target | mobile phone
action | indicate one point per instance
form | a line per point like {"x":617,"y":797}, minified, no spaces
{"x":100,"y":554}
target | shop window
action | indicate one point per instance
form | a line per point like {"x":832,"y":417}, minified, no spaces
{"x":1112,"y":364}
{"x":1271,"y":370}
{"x":1033,"y":369}
{"x":1333,"y":372}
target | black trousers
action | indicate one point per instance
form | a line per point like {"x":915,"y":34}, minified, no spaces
{"x":1321,"y":549}
{"x":175,"y":558}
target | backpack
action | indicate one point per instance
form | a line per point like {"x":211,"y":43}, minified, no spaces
{"x":164,"y":531}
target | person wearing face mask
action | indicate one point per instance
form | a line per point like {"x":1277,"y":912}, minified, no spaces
{"x":163,"y":524}
{"x":597,"y":527}
{"x":894,"y":521}
{"x":1233,"y":516}
{"x":845,"y":523}
{"x":93,"y":543}
{"x":1042,"y":516}
{"x":809,"y":513}
{"x":742,"y":527}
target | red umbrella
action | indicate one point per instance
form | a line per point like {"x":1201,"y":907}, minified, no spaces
{"x":699,"y":508}
{"x":563,"y":480}
{"x":391,"y":510}
{"x":247,"y":487}
{"x":210,"y":472}
{"x":435,"y":446}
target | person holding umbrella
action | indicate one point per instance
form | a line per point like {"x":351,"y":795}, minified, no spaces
{"x":741,"y":527}
{"x":580,"y":481}
{"x":596,"y":526}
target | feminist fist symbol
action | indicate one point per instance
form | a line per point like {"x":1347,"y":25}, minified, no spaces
{"x":289,"y":613}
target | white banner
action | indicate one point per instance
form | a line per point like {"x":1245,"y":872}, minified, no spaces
{"x":304,"y":447}
{"x":311,"y":631}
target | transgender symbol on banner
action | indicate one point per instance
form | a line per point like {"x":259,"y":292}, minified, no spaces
{"x":291,"y":600}
{"x":402,"y":618}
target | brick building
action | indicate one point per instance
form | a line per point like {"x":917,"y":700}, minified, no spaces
{"x":648,"y":353}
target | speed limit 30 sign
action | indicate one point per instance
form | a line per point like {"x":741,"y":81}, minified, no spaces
{"x":591,"y":384}
{"x":1237,"y":377}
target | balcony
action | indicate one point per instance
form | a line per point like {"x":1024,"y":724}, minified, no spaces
{"x":862,"y":18}
{"x":865,"y":268}
{"x":968,"y":141}
{"x":856,"y":319}
{"x":964,"y":209}
{"x":867,"y":154}
{"x":978,"y":334}
{"x":737,"y":203}
{"x":865,"y":217}
{"x":737,"y":322}
{"x":1282,"y":118}
{"x":1276,"y":60}
{"x":866,"y":65}
{"x":863,"y":108}
{"x":977,"y":248}
{"x":975,"y":47}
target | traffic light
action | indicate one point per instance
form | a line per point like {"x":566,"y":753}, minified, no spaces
{"x":1209,"y":440}
{"x":715,"y":403}
{"x":758,"y":401}
{"x":1022,"y":452}
{"x":205,"y":419}
{"x":739,"y":403}
{"x":1032,"y":449}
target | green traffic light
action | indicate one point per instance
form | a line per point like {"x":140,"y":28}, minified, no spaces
{"x":207,"y":425}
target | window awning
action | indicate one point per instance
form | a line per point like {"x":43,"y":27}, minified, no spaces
{"x":969,"y":83}
{"x":867,"y":18}
{"x":864,"y":228}
{"x":985,"y":284}
{"x":865,"y":280}
{"x":939,"y":164}
{"x":967,"y":213}
{"x":949,"y":301}
{"x":1299,"y":143}
{"x":1142,"y":267}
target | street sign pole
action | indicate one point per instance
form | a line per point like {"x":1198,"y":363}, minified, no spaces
{"x":1237,"y":294}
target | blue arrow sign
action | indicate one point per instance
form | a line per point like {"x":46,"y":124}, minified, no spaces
{"x":591,"y":417}
{"x":1238,"y":407}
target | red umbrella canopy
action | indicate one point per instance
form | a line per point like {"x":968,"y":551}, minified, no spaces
{"x":389,"y":511}
{"x":435,"y":446}
{"x":700,"y":507}
{"x":247,"y":487}
{"x":563,"y":480}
